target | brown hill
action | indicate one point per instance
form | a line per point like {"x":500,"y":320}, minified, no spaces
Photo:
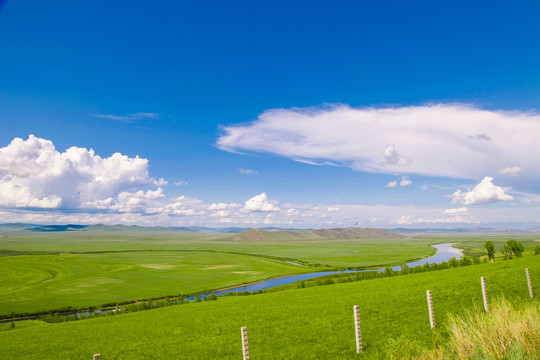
{"x":321,"y":234}
{"x":356,"y":233}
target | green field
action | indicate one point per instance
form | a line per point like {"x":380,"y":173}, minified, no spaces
{"x":91,"y":268}
{"x":311,"y":323}
{"x":46,"y":282}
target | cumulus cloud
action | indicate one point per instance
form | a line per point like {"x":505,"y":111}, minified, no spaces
{"x":34,"y":174}
{"x":223,"y":206}
{"x":448,"y":140}
{"x":405,"y":181}
{"x":261,"y":203}
{"x":181,"y":183}
{"x":184,"y":206}
{"x":511,"y":171}
{"x":484,"y":193}
{"x":247,"y":172}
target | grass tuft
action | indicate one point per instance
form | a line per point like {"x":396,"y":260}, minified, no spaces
{"x":506,"y":332}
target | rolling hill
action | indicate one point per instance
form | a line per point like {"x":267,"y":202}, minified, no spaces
{"x":320,"y":234}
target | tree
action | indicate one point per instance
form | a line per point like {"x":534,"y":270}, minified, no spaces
{"x":507,"y":251}
{"x":537,"y":250}
{"x":516,"y":247}
{"x":490,"y":247}
{"x":513,"y":247}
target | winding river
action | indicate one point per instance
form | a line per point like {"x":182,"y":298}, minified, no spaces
{"x":444,"y":253}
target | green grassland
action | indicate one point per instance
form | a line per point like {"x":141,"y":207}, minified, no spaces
{"x":46,"y":282}
{"x":94,"y":266}
{"x":311,"y":323}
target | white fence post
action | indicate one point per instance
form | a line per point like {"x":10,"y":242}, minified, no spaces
{"x":245,"y":346}
{"x":529,"y":283}
{"x":357,"y":329}
{"x":484,"y":294}
{"x":97,"y":357}
{"x":430,"y":309}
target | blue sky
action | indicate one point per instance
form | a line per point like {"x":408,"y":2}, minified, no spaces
{"x":303,"y":114}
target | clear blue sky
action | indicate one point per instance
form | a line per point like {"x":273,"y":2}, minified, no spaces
{"x":170,"y":82}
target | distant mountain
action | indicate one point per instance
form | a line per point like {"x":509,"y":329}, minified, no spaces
{"x":477,"y":230}
{"x":321,"y":234}
{"x":50,"y":228}
{"x":227,"y":230}
{"x":11,"y":228}
{"x":265,"y":233}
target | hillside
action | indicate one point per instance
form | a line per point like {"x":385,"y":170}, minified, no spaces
{"x":310,"y":323}
{"x":320,"y":234}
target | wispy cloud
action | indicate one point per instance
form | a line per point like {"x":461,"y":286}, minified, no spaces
{"x":247,"y":172}
{"x":443,"y":140}
{"x":130,"y":118}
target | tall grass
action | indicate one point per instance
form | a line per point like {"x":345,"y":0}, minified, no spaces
{"x":506,"y":332}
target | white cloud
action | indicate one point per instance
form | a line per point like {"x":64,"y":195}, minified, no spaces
{"x":404,"y":220}
{"x":261,"y":203}
{"x":457,"y":211}
{"x":247,"y":172}
{"x":484,"y":193}
{"x":452,"y":219}
{"x":223,"y":206}
{"x":511,"y":171}
{"x":333,"y":209}
{"x":447,"y":140}
{"x":405,"y":181}
{"x":181,"y":183}
{"x":138,"y":202}
{"x":392,"y":157}
{"x":34,"y":174}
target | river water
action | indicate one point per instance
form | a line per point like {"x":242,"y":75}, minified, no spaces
{"x":444,"y":253}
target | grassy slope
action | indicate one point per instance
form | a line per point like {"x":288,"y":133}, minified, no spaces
{"x":312,"y":323}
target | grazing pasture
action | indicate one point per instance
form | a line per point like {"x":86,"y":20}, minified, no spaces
{"x":310,"y":323}
{"x":46,"y":282}
{"x":49,"y":270}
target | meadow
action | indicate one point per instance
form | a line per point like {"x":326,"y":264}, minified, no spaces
{"x":310,"y":323}
{"x":44,"y":271}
